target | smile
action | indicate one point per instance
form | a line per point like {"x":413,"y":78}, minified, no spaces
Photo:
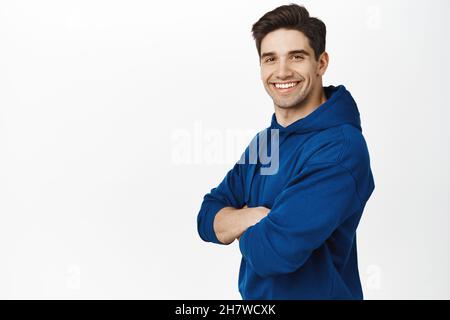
{"x":285,"y":87}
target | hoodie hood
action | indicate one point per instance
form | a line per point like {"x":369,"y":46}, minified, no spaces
{"x":340,"y":108}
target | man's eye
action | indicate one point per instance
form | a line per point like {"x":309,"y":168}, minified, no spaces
{"x":298,"y":57}
{"x":269,"y":60}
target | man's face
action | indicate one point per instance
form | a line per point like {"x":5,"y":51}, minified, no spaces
{"x":289,"y":69}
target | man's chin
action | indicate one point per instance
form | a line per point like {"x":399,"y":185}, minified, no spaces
{"x":285,"y":104}
{"x":293,"y":102}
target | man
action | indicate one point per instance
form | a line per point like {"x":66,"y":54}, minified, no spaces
{"x":297,"y":228}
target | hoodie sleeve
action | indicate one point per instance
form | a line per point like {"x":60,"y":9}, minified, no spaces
{"x":313,"y":204}
{"x":229,"y":193}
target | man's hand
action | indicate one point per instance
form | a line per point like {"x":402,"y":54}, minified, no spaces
{"x":254,"y":215}
{"x":230,"y":223}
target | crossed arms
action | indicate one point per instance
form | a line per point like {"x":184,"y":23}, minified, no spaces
{"x":303,"y":216}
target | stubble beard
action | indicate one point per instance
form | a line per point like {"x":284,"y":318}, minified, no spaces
{"x":291,"y":102}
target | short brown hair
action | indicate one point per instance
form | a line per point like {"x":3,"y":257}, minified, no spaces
{"x":291,"y":17}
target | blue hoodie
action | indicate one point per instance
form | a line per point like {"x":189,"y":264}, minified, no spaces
{"x":305,"y":248}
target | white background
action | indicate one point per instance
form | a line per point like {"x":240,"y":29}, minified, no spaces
{"x":110,"y":112}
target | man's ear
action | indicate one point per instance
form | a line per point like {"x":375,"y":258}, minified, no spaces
{"x":322,"y":65}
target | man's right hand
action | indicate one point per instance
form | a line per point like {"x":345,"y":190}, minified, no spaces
{"x":254,"y":215}
{"x":230,"y":223}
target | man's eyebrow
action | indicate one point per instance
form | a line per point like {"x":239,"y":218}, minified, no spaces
{"x":271,"y":53}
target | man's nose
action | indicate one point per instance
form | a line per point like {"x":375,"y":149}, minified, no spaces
{"x":284,"y":70}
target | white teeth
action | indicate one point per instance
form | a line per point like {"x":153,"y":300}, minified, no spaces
{"x":285,"y":85}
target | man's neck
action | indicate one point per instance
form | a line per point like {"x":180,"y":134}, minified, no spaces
{"x":287,"y":116}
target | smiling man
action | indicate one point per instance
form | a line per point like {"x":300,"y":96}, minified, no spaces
{"x":297,"y":227}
